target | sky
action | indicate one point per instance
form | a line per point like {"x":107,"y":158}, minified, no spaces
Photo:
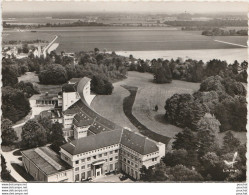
{"x":162,"y":7}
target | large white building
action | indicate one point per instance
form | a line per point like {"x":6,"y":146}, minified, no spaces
{"x":96,"y":146}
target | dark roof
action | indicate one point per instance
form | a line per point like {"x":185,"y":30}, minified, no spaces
{"x":82,"y":120}
{"x":138,"y":143}
{"x":134,"y":141}
{"x":44,"y":97}
{"x":45,"y":164}
{"x":68,"y":87}
{"x":92,"y":142}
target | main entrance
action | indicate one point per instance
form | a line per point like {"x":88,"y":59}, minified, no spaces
{"x":98,"y":168}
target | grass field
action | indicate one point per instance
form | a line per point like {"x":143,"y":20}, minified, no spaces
{"x":148,"y":95}
{"x":73,"y":39}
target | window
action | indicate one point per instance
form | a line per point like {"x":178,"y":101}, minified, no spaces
{"x":132,"y":163}
{"x":110,"y":159}
{"x":83,"y":175}
{"x":76,"y":169}
{"x":105,"y":154}
{"x":136,"y":165}
{"x":128,"y":162}
{"x":76,"y":162}
{"x":125,"y":159}
{"x":100,"y":155}
{"x":83,"y":167}
{"x":82,"y":160}
{"x":77,"y":177}
{"x":89,"y":158}
{"x":111,"y":167}
{"x":89,"y":165}
{"x":88,"y":174}
{"x":116,"y":157}
{"x":116,"y":151}
{"x":94,"y":157}
{"x":111,"y":152}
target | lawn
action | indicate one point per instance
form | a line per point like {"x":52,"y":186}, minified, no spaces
{"x":33,"y":78}
{"x":148,"y":95}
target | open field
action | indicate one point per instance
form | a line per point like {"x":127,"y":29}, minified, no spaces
{"x":148,"y":95}
{"x":33,"y":78}
{"x":72,"y":39}
{"x":242,"y":40}
{"x":239,"y":54}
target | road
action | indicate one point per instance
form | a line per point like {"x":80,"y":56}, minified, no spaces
{"x":10,"y":158}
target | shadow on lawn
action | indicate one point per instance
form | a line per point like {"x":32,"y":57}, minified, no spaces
{"x":127,"y":107}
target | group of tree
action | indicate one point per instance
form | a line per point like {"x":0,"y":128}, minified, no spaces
{"x":224,"y":98}
{"x":209,"y":23}
{"x":190,"y":70}
{"x":36,"y":133}
{"x":5,"y":173}
{"x":197,"y":156}
{"x":100,"y":85}
{"x":102,"y":68}
{"x":221,"y":32}
{"x":15,"y":104}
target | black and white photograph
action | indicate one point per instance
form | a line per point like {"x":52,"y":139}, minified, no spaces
{"x":124,"y":92}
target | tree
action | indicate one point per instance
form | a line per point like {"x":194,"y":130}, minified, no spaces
{"x":176,"y":157}
{"x":9,"y":76}
{"x":8,"y":134}
{"x":182,"y":173}
{"x":101,"y":86}
{"x":5,"y":174}
{"x":33,"y":134}
{"x":230,"y":143}
{"x":28,"y":88}
{"x":209,"y":122}
{"x":212,"y":167}
{"x":14,"y":104}
{"x":206,"y":142}
{"x":57,"y":137}
{"x":185,"y":140}
{"x":183,"y":111}
{"x":53,"y":75}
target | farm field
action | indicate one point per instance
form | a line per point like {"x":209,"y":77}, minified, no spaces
{"x":148,"y":95}
{"x":239,"y":54}
{"x":73,"y":39}
{"x":26,"y":36}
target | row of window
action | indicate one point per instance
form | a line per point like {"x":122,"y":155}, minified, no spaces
{"x":96,"y":156}
{"x":130,"y":163}
{"x":130,"y":155}
{"x":116,"y":151}
{"x":89,"y":165}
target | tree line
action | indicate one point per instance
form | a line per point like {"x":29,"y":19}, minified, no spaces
{"x":221,"y":32}
{"x":190,"y":70}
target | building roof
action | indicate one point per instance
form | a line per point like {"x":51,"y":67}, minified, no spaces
{"x":44,"y":97}
{"x":136,"y":142}
{"x":69,"y":87}
{"x":81,"y":120}
{"x":92,"y":142}
{"x":46,"y":160}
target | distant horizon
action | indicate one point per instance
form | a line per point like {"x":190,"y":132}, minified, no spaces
{"x":37,"y":7}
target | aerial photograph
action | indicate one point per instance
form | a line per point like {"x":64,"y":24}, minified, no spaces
{"x":124,"y":91}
